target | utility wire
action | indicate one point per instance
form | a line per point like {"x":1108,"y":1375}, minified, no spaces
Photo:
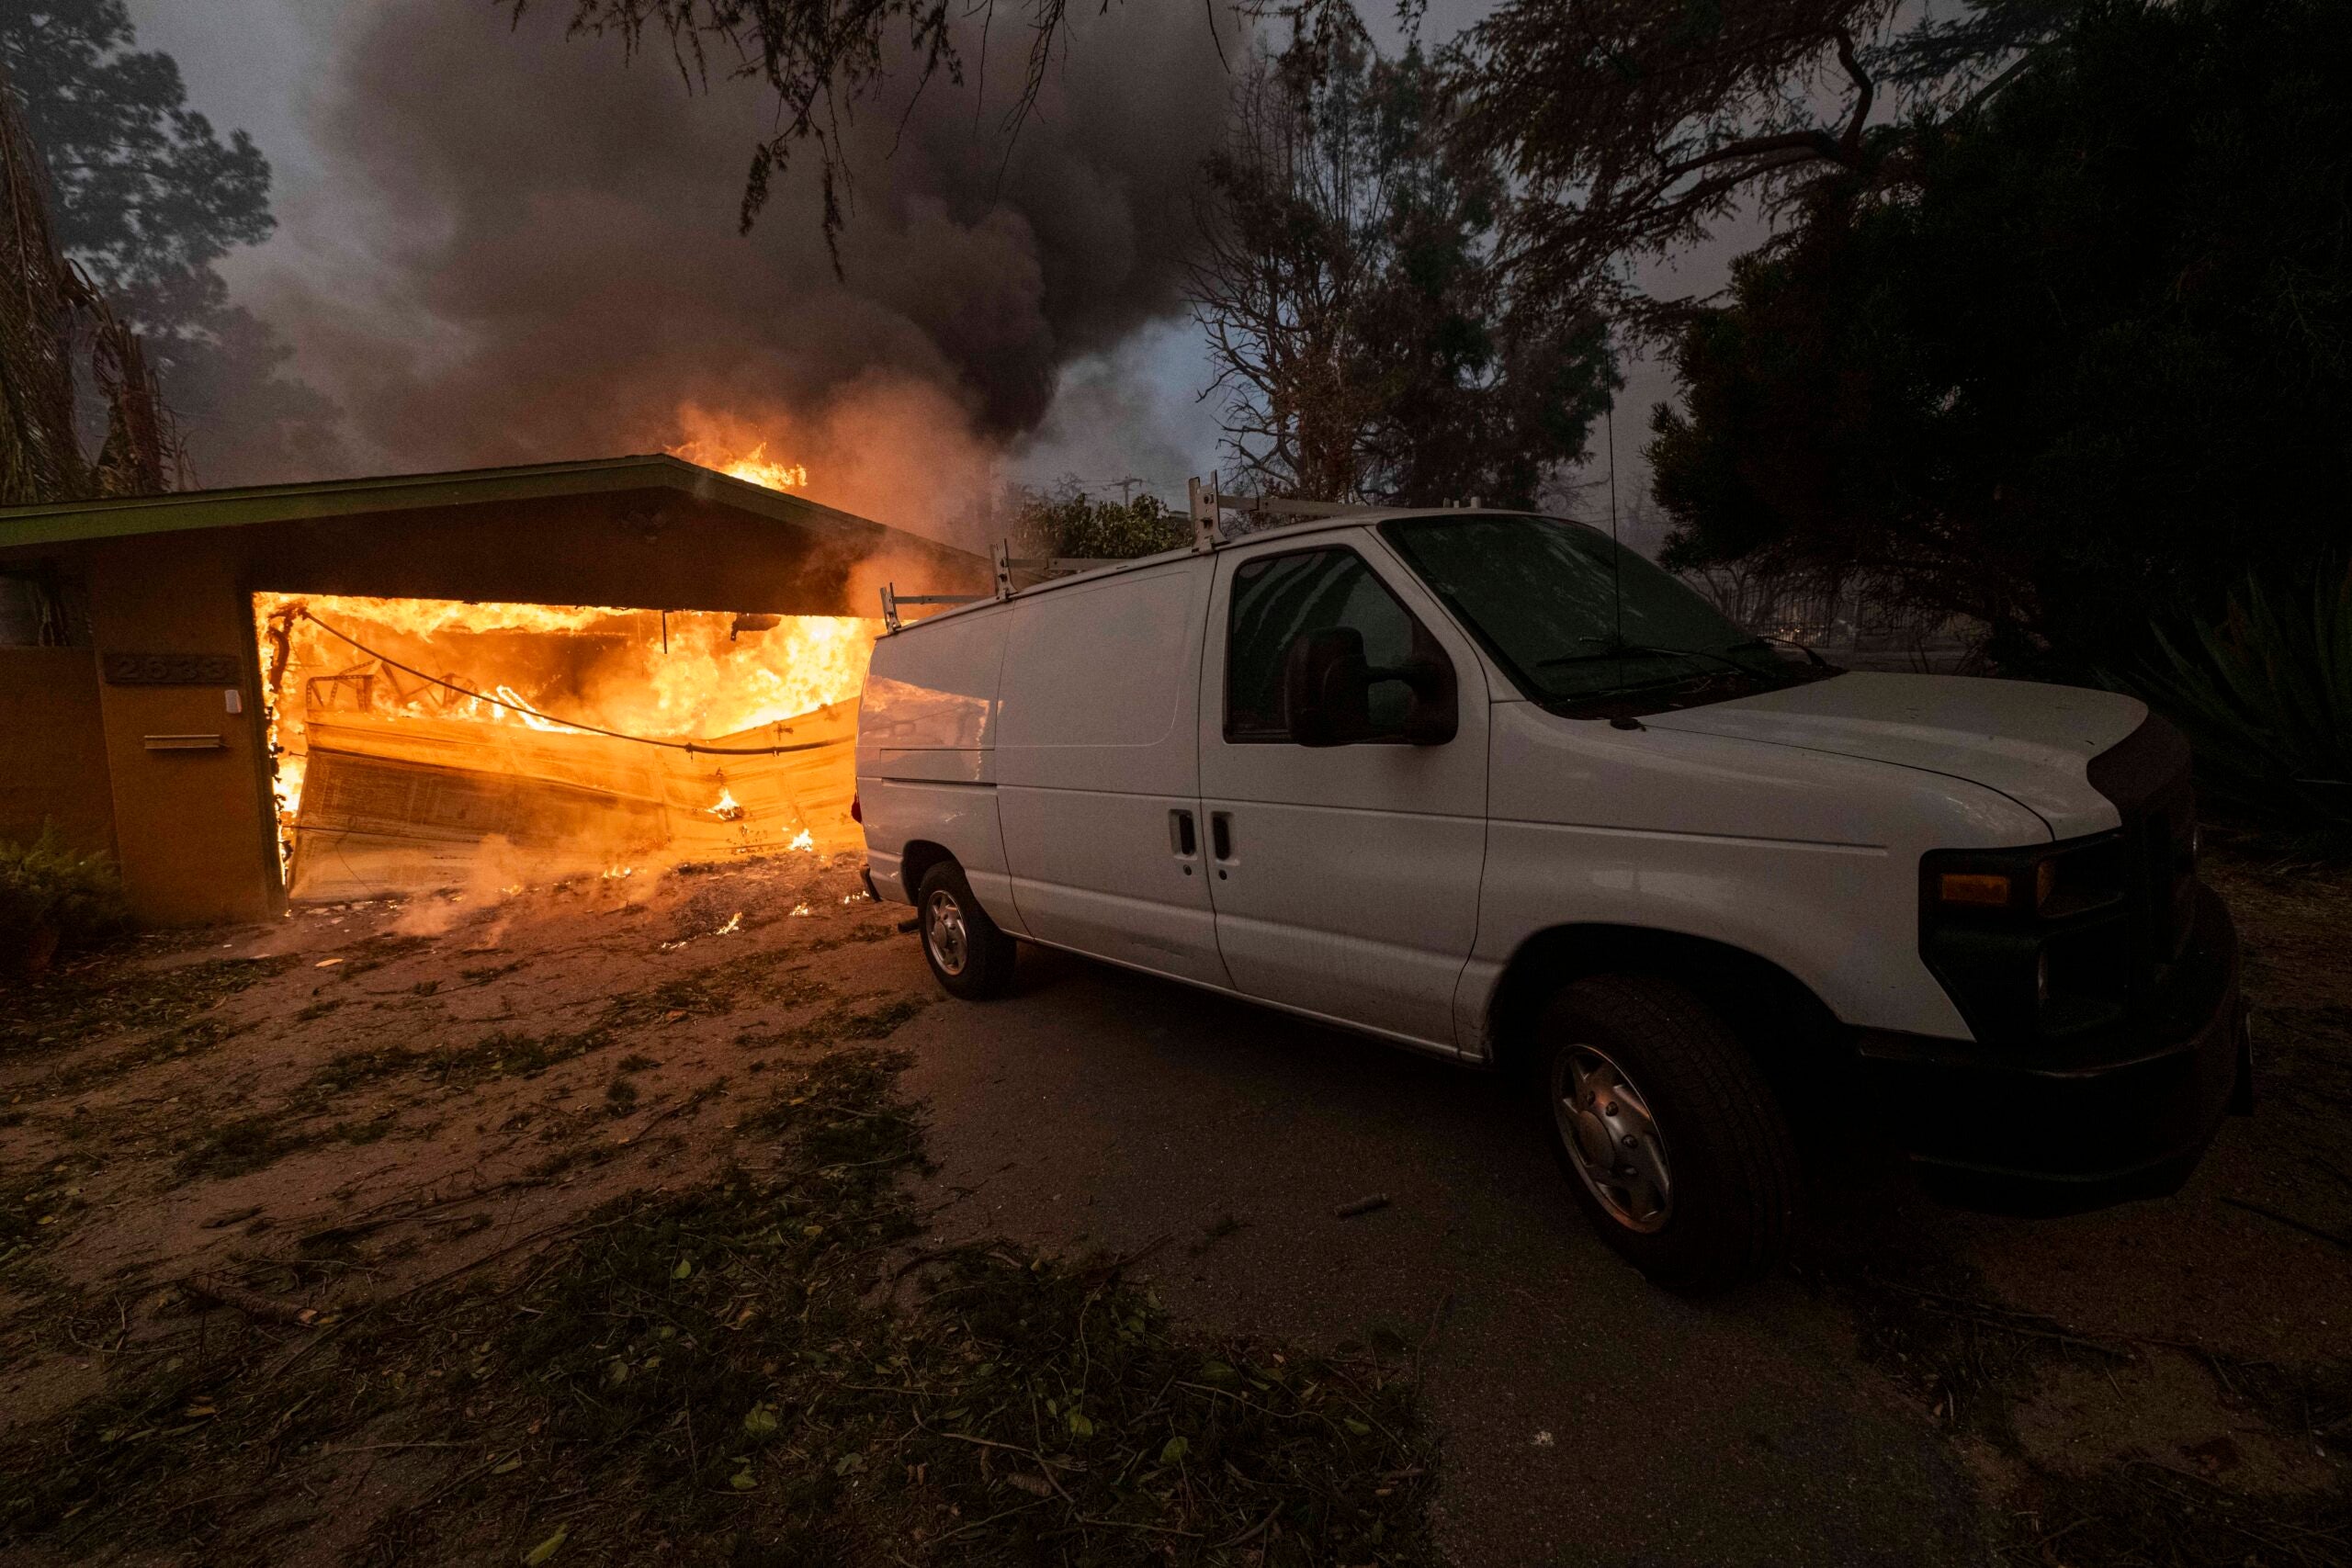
{"x":696,"y":747}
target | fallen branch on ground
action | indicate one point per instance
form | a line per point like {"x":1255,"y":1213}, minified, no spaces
{"x":253,"y":1304}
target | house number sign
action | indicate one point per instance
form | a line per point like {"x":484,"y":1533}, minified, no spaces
{"x":171,"y":670}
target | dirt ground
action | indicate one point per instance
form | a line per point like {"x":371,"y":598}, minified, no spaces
{"x":368,"y":1095}
{"x":371,"y":1100}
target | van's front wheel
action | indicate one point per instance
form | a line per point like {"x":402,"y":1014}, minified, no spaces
{"x":1670,"y":1135}
{"x":968,"y":955}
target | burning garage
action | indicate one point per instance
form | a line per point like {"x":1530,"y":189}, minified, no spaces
{"x":371,"y":686}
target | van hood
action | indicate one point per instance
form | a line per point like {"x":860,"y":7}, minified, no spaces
{"x":2030,"y":741}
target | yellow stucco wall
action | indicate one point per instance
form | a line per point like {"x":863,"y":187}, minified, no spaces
{"x":54,"y":769}
{"x":194,"y":839}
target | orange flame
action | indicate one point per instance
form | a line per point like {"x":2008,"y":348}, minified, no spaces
{"x":755,"y":466}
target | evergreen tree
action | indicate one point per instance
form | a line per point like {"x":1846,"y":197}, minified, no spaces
{"x":147,"y":198}
{"x":2092,"y":363}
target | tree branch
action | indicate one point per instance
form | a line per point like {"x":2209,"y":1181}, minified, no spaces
{"x":1864,"y":91}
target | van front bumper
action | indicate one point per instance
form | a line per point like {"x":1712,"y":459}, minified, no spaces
{"x":1991,"y":1128}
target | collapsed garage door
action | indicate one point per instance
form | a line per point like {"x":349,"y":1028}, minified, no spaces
{"x":416,"y":741}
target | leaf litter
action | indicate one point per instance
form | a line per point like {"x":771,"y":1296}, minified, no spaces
{"x":760,"y":1368}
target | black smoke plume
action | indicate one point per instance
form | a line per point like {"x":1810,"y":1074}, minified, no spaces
{"x":537,"y":253}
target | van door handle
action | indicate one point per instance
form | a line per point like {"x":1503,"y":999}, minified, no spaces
{"x":1180,"y":836}
{"x":1221,"y":834}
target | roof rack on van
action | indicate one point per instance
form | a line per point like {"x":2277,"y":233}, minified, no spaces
{"x":1005,"y":563}
{"x":1208,"y":506}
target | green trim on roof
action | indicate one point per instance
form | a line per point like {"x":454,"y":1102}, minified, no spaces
{"x":54,"y":523}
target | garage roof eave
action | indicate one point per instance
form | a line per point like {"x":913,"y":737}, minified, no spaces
{"x":54,"y":523}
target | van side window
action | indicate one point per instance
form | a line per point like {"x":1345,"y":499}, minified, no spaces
{"x":1275,"y":599}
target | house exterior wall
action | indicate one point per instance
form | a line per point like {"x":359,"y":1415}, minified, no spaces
{"x":190,"y":822}
{"x":52,"y":749}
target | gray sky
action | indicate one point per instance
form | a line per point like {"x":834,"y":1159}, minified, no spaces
{"x":1136,"y":410}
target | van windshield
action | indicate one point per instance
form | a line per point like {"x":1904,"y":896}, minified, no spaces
{"x":1579,"y":623}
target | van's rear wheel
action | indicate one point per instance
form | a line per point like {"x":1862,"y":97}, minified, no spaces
{"x":967,"y":954}
{"x":1670,"y":1137}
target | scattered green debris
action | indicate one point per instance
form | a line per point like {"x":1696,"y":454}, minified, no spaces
{"x":773,"y":978}
{"x":862,"y":931}
{"x":841,"y":1021}
{"x":348,"y":1070}
{"x":37,"y":1206}
{"x":234,"y":1148}
{"x":105,"y":998}
{"x":765,"y":1369}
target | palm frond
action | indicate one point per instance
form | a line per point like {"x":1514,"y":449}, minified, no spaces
{"x":2264,"y":692}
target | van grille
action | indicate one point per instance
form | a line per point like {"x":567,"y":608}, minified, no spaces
{"x":2146,"y":775}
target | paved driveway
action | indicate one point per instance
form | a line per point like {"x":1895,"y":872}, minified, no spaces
{"x":1587,"y":1418}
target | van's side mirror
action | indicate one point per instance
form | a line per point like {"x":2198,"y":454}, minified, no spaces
{"x":1326,"y":688}
{"x":1326,"y":692}
{"x":1435,"y":713}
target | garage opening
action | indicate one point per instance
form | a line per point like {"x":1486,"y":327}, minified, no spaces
{"x":414,"y":740}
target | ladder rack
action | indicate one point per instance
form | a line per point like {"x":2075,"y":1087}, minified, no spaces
{"x":1208,"y":504}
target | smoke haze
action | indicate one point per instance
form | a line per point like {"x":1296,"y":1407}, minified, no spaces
{"x":536,"y":253}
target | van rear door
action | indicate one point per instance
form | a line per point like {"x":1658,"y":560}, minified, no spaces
{"x":1346,"y":877}
{"x":1098,"y":769}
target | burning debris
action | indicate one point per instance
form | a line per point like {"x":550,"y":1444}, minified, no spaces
{"x":754,"y":466}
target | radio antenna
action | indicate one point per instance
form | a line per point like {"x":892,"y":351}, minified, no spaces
{"x":1616,"y":552}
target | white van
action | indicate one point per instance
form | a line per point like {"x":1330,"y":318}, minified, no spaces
{"x":1476,"y":784}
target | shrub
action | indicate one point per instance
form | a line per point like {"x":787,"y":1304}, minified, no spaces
{"x":1066,"y":522}
{"x":2265,"y":696}
{"x":53,"y":899}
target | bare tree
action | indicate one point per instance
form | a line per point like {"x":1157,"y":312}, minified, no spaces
{"x":1281,"y":283}
{"x":1367,"y":344}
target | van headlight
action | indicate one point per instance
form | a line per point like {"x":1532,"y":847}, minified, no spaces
{"x":2029,"y":943}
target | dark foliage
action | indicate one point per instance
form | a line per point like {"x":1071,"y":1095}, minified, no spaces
{"x":2094,"y":362}
{"x":146,"y":197}
{"x":1066,"y":522}
{"x":2264,"y":691}
{"x":146,"y":190}
{"x":1370,"y":343}
{"x":53,"y":899}
{"x":1631,"y":128}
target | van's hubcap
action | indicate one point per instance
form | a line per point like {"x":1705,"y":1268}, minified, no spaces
{"x":1606,"y":1126}
{"x":942,"y":928}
